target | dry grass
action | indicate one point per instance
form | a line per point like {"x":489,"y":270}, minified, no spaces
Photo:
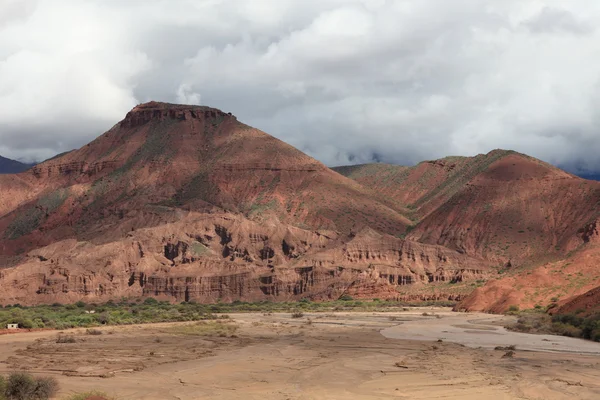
{"x":86,"y":395}
{"x":65,"y":339}
{"x":204,"y":328}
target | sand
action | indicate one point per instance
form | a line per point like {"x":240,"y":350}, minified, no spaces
{"x":319,"y":356}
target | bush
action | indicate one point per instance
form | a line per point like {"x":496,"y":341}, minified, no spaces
{"x":93,"y":332}
{"x":297,"y":314}
{"x":20,"y":386}
{"x":45,"y":388}
{"x":65,"y":339}
{"x":23,"y":386}
{"x":513,"y":308}
{"x":566,"y":330}
{"x":86,"y":395}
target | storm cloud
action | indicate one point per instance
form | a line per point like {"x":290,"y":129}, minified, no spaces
{"x":346,"y":81}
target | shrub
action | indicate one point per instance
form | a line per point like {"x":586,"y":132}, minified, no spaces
{"x":87,"y":395}
{"x":346,"y":297}
{"x":93,"y":332}
{"x":512,"y":347}
{"x":23,"y":386}
{"x":297,"y":314}
{"x":65,"y":339}
{"x":20,"y":386}
{"x":513,"y":308}
{"x":45,"y":388}
{"x":509,"y":354}
{"x":566,"y":330}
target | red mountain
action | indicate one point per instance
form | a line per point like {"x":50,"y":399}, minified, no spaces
{"x":186,"y":202}
{"x":504,"y":207}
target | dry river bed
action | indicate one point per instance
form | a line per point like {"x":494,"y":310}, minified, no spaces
{"x":391,"y":355}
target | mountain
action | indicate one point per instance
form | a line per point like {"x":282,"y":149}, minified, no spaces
{"x":8,"y":166}
{"x":187,"y":203}
{"x":510,"y":209}
{"x":590,"y":176}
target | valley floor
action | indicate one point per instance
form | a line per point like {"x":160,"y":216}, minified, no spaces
{"x":392,"y":355}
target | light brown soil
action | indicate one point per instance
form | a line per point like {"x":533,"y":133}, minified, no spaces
{"x":319,"y":356}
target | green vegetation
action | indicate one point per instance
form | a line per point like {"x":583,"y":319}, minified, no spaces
{"x":24,"y":223}
{"x":538,"y":321}
{"x":59,"y":316}
{"x":23,"y":386}
{"x":29,"y":220}
{"x":199,"y":249}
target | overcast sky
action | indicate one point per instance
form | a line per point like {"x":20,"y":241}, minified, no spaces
{"x":346,"y":81}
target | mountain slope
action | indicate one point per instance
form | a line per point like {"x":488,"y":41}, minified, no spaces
{"x":532,"y":220}
{"x":185,"y":202}
{"x":567,"y":285}
{"x":502,"y":206}
{"x":194,"y":158}
{"x":8,"y":166}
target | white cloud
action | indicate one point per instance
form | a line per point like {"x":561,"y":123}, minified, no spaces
{"x":345,"y":80}
{"x":185,"y":95}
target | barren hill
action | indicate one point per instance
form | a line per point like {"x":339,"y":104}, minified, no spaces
{"x":507,"y":208}
{"x":186,"y":202}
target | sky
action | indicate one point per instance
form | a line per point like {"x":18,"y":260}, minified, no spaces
{"x":346,"y":81}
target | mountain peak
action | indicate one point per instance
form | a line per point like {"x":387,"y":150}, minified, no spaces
{"x":158,"y":111}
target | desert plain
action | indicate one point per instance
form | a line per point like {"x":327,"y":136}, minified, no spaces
{"x":415,"y":353}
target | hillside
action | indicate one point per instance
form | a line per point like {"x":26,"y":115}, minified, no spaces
{"x":502,"y":206}
{"x":8,"y":166}
{"x":512,"y":210}
{"x":186,"y":202}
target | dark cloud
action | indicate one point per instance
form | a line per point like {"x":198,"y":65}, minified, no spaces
{"x":347,"y":81}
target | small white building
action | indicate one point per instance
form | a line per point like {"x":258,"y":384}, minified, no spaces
{"x":12,"y":326}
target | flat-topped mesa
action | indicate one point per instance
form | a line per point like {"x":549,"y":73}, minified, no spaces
{"x":157,"y":111}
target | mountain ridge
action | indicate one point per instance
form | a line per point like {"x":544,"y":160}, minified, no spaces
{"x":8,"y":166}
{"x":187,"y":203}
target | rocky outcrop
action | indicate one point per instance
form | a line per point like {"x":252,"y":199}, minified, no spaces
{"x":207,"y":257}
{"x":49,"y":170}
{"x":155,"y":111}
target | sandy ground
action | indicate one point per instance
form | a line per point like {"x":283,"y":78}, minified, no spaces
{"x":320,"y":356}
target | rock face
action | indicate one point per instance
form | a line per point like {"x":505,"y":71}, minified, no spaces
{"x":210,"y":257}
{"x":187,"y":203}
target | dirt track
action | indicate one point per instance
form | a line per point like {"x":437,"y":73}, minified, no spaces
{"x":332,"y":356}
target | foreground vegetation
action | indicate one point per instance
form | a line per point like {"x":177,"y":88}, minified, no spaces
{"x":59,"y":316}
{"x":23,"y":386}
{"x":572,"y":325}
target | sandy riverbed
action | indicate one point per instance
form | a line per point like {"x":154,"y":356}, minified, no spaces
{"x":320,"y":356}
